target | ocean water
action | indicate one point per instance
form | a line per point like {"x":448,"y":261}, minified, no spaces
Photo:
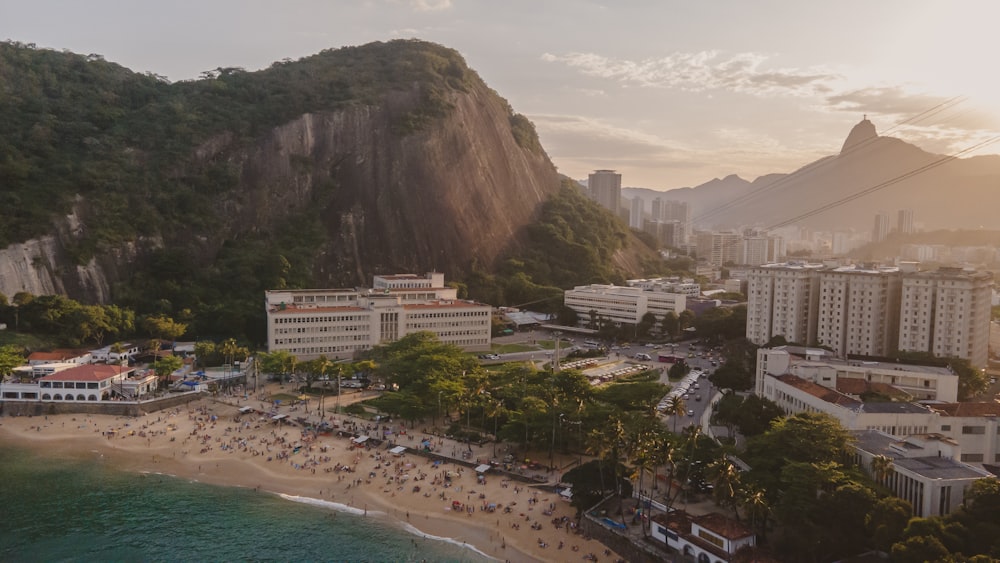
{"x":72,"y":510}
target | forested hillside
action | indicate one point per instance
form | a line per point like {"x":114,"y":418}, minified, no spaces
{"x":191,"y":198}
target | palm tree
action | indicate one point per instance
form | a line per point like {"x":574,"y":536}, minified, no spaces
{"x":881,"y":467}
{"x":229,"y":349}
{"x":757,"y":508}
{"x":675,"y":408}
{"x":726,"y":483}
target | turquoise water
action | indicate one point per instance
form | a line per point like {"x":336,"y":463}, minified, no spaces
{"x":83,"y":511}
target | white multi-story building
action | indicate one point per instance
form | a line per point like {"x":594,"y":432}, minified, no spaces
{"x":780,"y":301}
{"x":856,"y":310}
{"x":339,"y":323}
{"x":947,"y":313}
{"x":923,"y":469}
{"x":918,"y":382}
{"x":872,"y":311}
{"x":620,"y":304}
{"x":719,"y":249}
{"x":803,"y":380}
{"x":686,"y":287}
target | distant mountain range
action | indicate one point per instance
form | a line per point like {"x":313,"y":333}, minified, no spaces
{"x":948,"y":194}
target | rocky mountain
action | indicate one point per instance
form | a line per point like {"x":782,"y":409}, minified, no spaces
{"x":389,"y":157}
{"x":873,"y":172}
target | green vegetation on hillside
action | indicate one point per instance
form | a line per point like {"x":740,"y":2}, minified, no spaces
{"x":78,"y":125}
{"x":572,"y":243}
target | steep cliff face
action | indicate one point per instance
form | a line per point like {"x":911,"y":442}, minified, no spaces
{"x":455,"y":192}
{"x":196,"y":196}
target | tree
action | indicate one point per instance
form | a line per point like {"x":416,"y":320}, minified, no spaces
{"x":675,"y":408}
{"x":162,"y":326}
{"x":678,"y":370}
{"x":166,"y":366}
{"x":11,"y":356}
{"x":881,"y":468}
{"x":670,"y":325}
{"x":887,"y":520}
{"x":592,"y":482}
{"x":279,"y":362}
{"x":732,"y":376}
{"x":919,"y":549}
{"x":685,"y":320}
{"x":647,"y":322}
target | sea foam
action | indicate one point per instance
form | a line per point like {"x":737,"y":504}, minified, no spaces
{"x":331,"y":505}
{"x":413,"y":530}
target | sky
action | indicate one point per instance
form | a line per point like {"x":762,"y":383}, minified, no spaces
{"x":669,"y":93}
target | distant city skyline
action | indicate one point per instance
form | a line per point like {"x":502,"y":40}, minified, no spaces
{"x":669,"y":94}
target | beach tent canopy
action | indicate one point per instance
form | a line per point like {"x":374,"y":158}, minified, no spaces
{"x":279,"y":417}
{"x":245,"y":410}
{"x":398,"y":450}
{"x":360,"y":439}
{"x":483,"y":468}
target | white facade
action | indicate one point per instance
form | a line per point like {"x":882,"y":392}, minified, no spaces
{"x":923,"y":470}
{"x":881,"y":229}
{"x":947,"y":313}
{"x":719,"y":249}
{"x":856,"y":309}
{"x":709,"y":538}
{"x":872,"y":311}
{"x":780,"y":301}
{"x":621,"y":304}
{"x":808,"y":383}
{"x":339,"y":323}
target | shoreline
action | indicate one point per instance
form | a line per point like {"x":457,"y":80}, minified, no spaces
{"x":210,"y":443}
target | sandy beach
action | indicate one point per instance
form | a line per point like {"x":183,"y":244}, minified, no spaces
{"x":212,"y":442}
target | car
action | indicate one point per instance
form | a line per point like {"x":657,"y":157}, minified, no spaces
{"x":492,"y":356}
{"x":690,"y":413}
{"x":697,"y":397}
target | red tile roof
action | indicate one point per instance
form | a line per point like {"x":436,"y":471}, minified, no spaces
{"x":968,"y":409}
{"x":47,"y":356}
{"x":857,"y":386}
{"x":816,"y":390}
{"x":90,"y":372}
{"x":725,"y":527}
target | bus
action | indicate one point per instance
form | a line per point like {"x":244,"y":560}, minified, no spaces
{"x":671,"y":359}
{"x":591,"y":343}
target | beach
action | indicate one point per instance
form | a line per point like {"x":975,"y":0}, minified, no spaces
{"x":212,"y":442}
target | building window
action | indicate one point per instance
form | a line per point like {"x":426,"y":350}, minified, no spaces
{"x":972,"y":458}
{"x":945,"y":427}
{"x":973,"y":430}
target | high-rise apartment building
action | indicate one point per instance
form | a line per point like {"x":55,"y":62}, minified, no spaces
{"x":856,"y":310}
{"x":605,"y":188}
{"x":635,"y":213}
{"x":872,"y":311}
{"x":759,"y":248}
{"x":718,"y":249}
{"x":679,"y":211}
{"x":947,"y":313}
{"x":904,"y":224}
{"x":656,"y":210}
{"x":881,"y":229}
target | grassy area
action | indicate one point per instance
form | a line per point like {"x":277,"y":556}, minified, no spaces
{"x":29,"y":341}
{"x":511,"y":348}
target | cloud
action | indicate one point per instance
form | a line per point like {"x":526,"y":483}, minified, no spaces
{"x":934,"y":123}
{"x":430,"y":5}
{"x":891,"y":100}
{"x":578,"y":144}
{"x":702,"y":71}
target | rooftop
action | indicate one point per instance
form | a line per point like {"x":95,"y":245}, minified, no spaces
{"x":827,"y":357}
{"x":820,"y":392}
{"x":89,"y":372}
{"x":858,"y":386}
{"x":725,"y":527}
{"x":967,"y":409}
{"x":457,"y":303}
{"x":292,"y":309}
